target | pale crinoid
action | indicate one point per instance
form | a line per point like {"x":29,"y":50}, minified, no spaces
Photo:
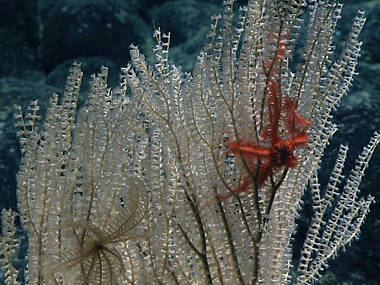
{"x":96,"y":257}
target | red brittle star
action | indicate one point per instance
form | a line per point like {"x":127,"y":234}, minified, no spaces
{"x":280,"y":152}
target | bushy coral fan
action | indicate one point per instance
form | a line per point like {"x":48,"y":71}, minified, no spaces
{"x":195,"y":178}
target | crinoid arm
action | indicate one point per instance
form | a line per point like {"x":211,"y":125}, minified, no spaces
{"x":96,"y":254}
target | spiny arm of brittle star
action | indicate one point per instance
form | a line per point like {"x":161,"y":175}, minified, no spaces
{"x":300,"y":140}
{"x":243,"y":187}
{"x":236,"y":148}
{"x":295,"y":121}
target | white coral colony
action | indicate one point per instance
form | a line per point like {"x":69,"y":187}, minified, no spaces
{"x":149,"y":189}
